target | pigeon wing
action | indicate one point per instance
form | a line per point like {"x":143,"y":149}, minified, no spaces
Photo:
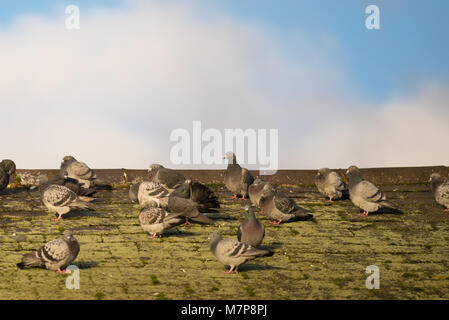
{"x":54,"y":251}
{"x":59,"y":196}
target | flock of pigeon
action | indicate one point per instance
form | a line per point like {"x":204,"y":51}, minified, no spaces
{"x":167,"y":199}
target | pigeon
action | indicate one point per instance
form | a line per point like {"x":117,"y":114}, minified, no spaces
{"x":440,"y":190}
{"x":4,"y":179}
{"x":151,"y":194}
{"x":55,"y":255}
{"x":134,"y":192}
{"x":233,"y":253}
{"x":9,"y":166}
{"x":62,"y":200}
{"x":77,"y":170}
{"x":364,"y":194}
{"x":70,"y":183}
{"x":330,"y":184}
{"x":185,"y":200}
{"x":156,"y":220}
{"x":237,"y":179}
{"x":280,"y":208}
{"x":169,"y":178}
{"x":255,"y":190}
{"x":251,"y":231}
{"x":205,"y":198}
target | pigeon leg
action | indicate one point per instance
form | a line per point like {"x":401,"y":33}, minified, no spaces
{"x":187,"y":222}
{"x":330,"y":200}
{"x":61,"y":271}
{"x":230,"y":270}
{"x":234,"y":197}
{"x":275,"y":222}
{"x":154,"y":235}
{"x":59,"y":218}
{"x":445,"y":210}
{"x":364,"y":214}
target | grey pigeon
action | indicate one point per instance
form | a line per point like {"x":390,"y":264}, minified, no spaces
{"x":62,"y":200}
{"x":233,"y":253}
{"x":9,"y":166}
{"x":56,"y":254}
{"x":4,"y":179}
{"x":156,"y":220}
{"x":364,"y":194}
{"x":237,"y":179}
{"x":251,"y":231}
{"x":205,"y":198}
{"x":440,"y":190}
{"x":185,"y":200}
{"x":330,"y":184}
{"x":77,"y":170}
{"x":134,"y":192}
{"x":169,"y":178}
{"x":279,"y":208}
{"x":255,"y":190}
{"x":152,"y":194}
{"x":67,"y":182}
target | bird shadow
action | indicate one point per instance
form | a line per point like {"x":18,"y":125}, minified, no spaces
{"x":12,"y":191}
{"x":253,"y":266}
{"x":179,"y":233}
{"x":382,"y":211}
{"x":218,"y":217}
{"x":86,"y":264}
{"x":77,"y":214}
{"x":270,"y":247}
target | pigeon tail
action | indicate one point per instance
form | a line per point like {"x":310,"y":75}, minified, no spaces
{"x":80,"y":204}
{"x":390,"y":206}
{"x":202,"y":218}
{"x":30,"y":260}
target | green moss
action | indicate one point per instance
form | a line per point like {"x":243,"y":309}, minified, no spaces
{"x":154,"y":279}
{"x":250,"y":291}
{"x":99,"y":295}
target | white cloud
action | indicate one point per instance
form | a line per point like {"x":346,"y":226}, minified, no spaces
{"x":111,"y":93}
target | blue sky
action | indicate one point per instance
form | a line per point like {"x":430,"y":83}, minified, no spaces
{"x":112,"y":92}
{"x":411,"y":47}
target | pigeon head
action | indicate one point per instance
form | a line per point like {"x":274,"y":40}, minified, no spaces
{"x":9,"y":166}
{"x":353,"y":174}
{"x":257,"y":181}
{"x":214,"y":237}
{"x":42,"y":178}
{"x":435,"y":177}
{"x":249,"y":212}
{"x":68,"y":236}
{"x":68,"y":159}
{"x":268,"y":187}
{"x":133,"y":192}
{"x":267,"y":190}
{"x":155,"y":167}
{"x":230,"y":156}
{"x":323,"y":171}
{"x":352,"y":169}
